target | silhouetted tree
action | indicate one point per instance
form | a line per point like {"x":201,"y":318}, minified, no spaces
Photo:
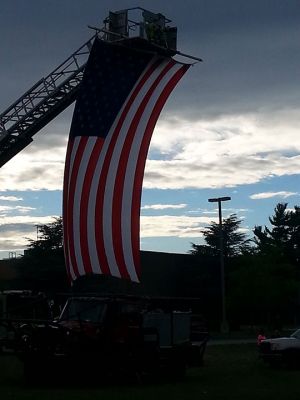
{"x":265,"y":286}
{"x":294,"y":242}
{"x":263,"y":290}
{"x":50,"y":237}
{"x":283,"y":238}
{"x":235,"y":241}
{"x":43,"y":267}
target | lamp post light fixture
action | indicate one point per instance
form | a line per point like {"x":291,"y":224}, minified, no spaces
{"x":224,"y":323}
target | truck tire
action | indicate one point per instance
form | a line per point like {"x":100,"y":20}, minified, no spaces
{"x":177,"y":365}
{"x":31,"y":373}
{"x":178,"y":370}
{"x":35,"y":370}
{"x":291,"y":358}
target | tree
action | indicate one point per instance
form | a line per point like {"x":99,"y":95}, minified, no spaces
{"x":263,"y":290}
{"x":43,"y":267}
{"x":281,"y":223}
{"x":283,"y":238}
{"x":294,"y":243}
{"x":265,"y":286}
{"x":235,"y":242}
{"x":262,"y":283}
{"x":50,"y":237}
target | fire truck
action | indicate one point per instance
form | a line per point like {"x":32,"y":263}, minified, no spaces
{"x":112,"y":336}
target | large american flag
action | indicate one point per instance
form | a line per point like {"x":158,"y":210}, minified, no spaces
{"x":122,"y":93}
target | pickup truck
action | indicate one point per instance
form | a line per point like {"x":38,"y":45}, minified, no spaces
{"x":282,"y":350}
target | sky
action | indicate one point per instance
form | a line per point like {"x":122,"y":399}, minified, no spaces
{"x":230,"y":127}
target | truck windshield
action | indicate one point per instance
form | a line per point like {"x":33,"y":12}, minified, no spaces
{"x":296,"y":334}
{"x":83,"y":310}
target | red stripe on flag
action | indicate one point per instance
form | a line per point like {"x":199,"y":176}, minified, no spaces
{"x":72,"y":188}
{"x":136,"y":197}
{"x":120,"y":176}
{"x":65,"y":204}
{"x":104,"y":172}
{"x":90,"y":170}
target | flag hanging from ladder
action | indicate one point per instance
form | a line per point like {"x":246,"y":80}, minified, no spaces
{"x":121,"y":96}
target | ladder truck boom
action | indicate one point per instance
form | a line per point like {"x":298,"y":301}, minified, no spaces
{"x":41,"y":103}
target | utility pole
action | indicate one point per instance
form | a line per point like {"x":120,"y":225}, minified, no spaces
{"x":224,"y":323}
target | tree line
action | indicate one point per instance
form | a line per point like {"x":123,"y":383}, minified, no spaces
{"x":262,"y":273}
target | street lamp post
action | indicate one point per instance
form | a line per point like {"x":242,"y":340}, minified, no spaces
{"x":224,"y":323}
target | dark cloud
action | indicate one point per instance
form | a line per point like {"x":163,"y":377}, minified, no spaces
{"x":7,"y":229}
{"x":250,"y":49}
{"x":47,"y":139}
{"x":34,"y":172}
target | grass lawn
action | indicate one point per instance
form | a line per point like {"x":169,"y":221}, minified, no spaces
{"x":229,"y":372}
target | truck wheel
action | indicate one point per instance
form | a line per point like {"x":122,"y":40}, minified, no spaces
{"x":177,"y":366}
{"x":291,"y":358}
{"x":179,"y":370}
{"x":30,"y":371}
{"x":34,"y":371}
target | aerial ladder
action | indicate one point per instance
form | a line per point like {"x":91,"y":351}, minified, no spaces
{"x":54,"y":93}
{"x":40,"y":104}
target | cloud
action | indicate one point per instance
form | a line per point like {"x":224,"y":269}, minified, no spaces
{"x":245,"y":230}
{"x":15,"y":241}
{"x":24,"y":209}
{"x":16,"y":230}
{"x":163,"y":206}
{"x":210,"y":212}
{"x":236,"y":210}
{"x":226,"y":172}
{"x":35,"y":168}
{"x":268,"y":195}
{"x":5,"y":209}
{"x":168,"y":225}
{"x":18,"y":209}
{"x":207,"y":153}
{"x":27,"y":219}
{"x":10,"y":198}
{"x":224,"y":152}
{"x":14,"y":236}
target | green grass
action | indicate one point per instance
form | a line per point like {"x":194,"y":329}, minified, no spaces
{"x":229,"y":372}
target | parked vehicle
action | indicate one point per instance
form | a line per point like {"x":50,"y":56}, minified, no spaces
{"x":16,"y":308}
{"x":119,"y":335}
{"x":282,"y":350}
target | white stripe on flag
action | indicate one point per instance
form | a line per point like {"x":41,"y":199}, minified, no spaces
{"x":72,"y":159}
{"x":77,"y":201}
